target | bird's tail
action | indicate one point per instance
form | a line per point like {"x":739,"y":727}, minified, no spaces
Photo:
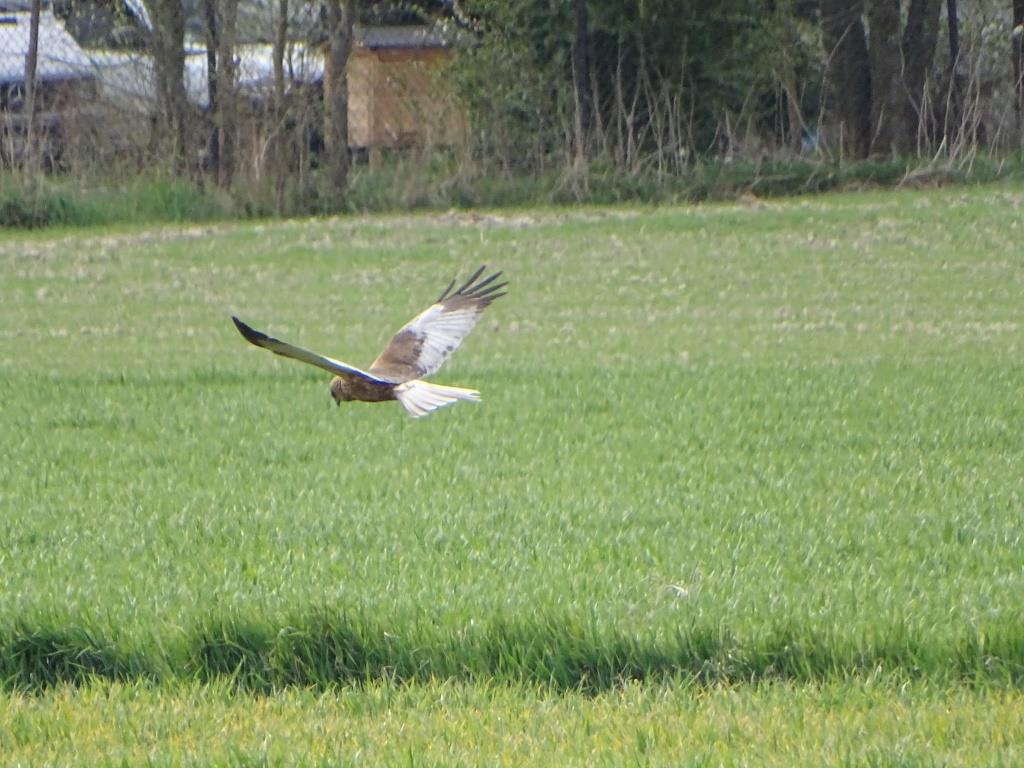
{"x":420,"y":397}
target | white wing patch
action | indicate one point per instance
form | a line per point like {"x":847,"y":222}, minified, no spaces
{"x":423,"y":344}
{"x":441,"y":332}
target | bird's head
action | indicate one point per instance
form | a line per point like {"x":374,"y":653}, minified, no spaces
{"x":339,"y":391}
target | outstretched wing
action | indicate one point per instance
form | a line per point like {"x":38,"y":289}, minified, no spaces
{"x":284,"y":349}
{"x":425,"y":342}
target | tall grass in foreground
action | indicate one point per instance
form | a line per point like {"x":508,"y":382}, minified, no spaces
{"x":323,"y":651}
{"x":47,"y":202}
{"x":409,"y":182}
{"x":879,"y":721}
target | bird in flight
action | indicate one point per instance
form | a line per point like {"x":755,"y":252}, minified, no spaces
{"x":419,"y":349}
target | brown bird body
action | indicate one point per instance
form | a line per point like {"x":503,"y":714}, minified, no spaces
{"x":348,"y":388}
{"x":419,"y":349}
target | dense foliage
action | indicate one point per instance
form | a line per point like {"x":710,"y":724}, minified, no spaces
{"x":570,"y":95}
{"x":650,"y":84}
{"x":664,"y":77}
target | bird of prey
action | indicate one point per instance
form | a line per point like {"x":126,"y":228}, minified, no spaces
{"x":419,"y":349}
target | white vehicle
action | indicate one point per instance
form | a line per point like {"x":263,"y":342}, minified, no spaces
{"x":65,"y":79}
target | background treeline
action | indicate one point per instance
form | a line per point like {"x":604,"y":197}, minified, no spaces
{"x":653,"y":84}
{"x":563,"y":100}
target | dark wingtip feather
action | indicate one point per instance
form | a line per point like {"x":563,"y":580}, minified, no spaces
{"x":471,"y":280}
{"x":444,"y":295}
{"x":476,"y":288}
{"x":484,"y":291}
{"x":251,"y":334}
{"x":478,"y":294}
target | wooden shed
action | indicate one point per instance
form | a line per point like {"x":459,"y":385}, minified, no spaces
{"x":399,"y":94}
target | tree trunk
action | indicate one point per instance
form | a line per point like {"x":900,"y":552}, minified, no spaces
{"x":1018,"y":65}
{"x":280,"y":41}
{"x":920,"y":37}
{"x":340,"y":18}
{"x":31,"y":67}
{"x":789,"y":41}
{"x":955,"y":114}
{"x":212,"y":44}
{"x":280,"y":138}
{"x":953,"y":19}
{"x":581,"y":79}
{"x":888,"y":112}
{"x":849,"y":73}
{"x":227,"y":119}
{"x":169,"y":65}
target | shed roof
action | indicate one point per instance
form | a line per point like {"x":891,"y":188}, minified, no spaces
{"x":374,"y":37}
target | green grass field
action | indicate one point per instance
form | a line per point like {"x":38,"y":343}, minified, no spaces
{"x":745,"y":488}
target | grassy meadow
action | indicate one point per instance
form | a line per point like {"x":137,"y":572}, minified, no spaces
{"x":745,"y":488}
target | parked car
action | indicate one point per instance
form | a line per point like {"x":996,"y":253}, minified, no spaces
{"x":65,"y":80}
